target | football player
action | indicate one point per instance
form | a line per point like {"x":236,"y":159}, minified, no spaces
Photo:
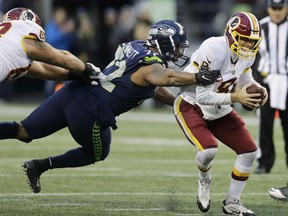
{"x":23,"y":51}
{"x":138,"y":72}
{"x":205,"y":114}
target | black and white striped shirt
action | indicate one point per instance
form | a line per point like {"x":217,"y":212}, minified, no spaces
{"x":274,"y":47}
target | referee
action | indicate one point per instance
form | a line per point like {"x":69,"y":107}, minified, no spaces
{"x":273,"y":75}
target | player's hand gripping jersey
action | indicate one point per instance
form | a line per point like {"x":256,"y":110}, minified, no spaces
{"x":14,"y":61}
{"x":215,"y":100}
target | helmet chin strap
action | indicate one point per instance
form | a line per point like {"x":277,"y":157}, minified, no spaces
{"x":158,"y":47}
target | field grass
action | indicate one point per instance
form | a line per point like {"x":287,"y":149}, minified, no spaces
{"x":150,"y":171}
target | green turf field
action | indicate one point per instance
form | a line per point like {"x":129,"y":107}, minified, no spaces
{"x":150,"y":171}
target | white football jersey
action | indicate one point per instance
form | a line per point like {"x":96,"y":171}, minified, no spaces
{"x":215,"y":100}
{"x":14,"y":61}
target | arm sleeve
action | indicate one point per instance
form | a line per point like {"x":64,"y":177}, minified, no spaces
{"x":246,"y":78}
{"x":206,"y":96}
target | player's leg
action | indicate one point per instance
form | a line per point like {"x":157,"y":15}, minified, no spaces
{"x":78,"y":157}
{"x":48,"y":118}
{"x":231,"y":130}
{"x":284,"y":122}
{"x":94,"y":140}
{"x":43,"y":121}
{"x":196,"y":131}
{"x":266,"y":143}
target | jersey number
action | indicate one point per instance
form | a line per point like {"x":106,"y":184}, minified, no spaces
{"x":4,"y":27}
{"x":225,"y":87}
{"x":120,"y":65}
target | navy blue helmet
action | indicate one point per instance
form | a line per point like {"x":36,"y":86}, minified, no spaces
{"x":170,"y":39}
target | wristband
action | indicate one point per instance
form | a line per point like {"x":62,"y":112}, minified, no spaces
{"x":197,"y":78}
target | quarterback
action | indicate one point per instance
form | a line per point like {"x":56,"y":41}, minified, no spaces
{"x":205,"y":114}
{"x":23,"y":51}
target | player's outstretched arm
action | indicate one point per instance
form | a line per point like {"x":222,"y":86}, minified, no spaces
{"x":43,"y":52}
{"x":51,"y":59}
{"x":45,"y":71}
{"x":157,"y":75}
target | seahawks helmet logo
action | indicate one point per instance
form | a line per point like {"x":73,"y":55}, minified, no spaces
{"x":163,"y":30}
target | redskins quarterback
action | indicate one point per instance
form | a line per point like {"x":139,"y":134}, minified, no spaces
{"x":205,"y":114}
{"x":23,"y":51}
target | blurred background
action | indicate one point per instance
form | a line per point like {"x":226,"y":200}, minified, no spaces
{"x":92,"y":30}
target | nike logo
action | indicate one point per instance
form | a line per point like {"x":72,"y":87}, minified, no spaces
{"x":236,"y":211}
{"x":208,"y":60}
{"x":204,"y":77}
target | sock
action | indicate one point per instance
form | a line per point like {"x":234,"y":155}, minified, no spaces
{"x":73,"y":158}
{"x":240,"y":174}
{"x":230,"y":199}
{"x":236,"y":188}
{"x":42,"y":165}
{"x":204,"y":175}
{"x":204,"y":162}
{"x":8,"y":130}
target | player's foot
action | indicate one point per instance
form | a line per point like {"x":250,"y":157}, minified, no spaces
{"x":203,"y":195}
{"x":280,"y":193}
{"x":236,"y":208}
{"x":33,"y":175}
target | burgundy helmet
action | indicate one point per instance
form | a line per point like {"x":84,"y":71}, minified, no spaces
{"x":21,"y":13}
{"x":243,"y":26}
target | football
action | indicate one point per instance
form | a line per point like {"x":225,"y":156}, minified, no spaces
{"x":252,"y":89}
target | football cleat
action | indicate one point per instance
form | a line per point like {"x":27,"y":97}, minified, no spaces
{"x":33,"y":175}
{"x":280,"y":193}
{"x":203,"y":195}
{"x":236,"y":208}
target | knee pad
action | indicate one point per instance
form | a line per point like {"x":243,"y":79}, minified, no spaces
{"x":247,"y":159}
{"x":204,"y":158}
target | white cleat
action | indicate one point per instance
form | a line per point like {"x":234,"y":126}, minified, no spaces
{"x":203,"y":195}
{"x":280,"y":193}
{"x":236,"y":208}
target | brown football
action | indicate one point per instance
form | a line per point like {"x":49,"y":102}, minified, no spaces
{"x":252,"y":89}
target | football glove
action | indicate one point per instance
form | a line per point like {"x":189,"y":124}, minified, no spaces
{"x":207,"y":77}
{"x":89,"y":75}
{"x":91,"y":71}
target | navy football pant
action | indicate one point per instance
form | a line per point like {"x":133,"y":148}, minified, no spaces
{"x":60,"y":111}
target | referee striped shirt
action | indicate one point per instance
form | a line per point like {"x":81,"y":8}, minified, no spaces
{"x":274,"y":47}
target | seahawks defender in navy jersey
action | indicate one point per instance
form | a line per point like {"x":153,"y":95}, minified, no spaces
{"x":138,"y":72}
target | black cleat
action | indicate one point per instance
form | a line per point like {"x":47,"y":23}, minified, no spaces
{"x":33,"y":175}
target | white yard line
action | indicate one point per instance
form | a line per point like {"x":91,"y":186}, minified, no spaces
{"x":118,"y":194}
{"x":136,"y":209}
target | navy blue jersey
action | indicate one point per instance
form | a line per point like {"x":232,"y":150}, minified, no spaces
{"x":89,"y":111}
{"x":118,"y":94}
